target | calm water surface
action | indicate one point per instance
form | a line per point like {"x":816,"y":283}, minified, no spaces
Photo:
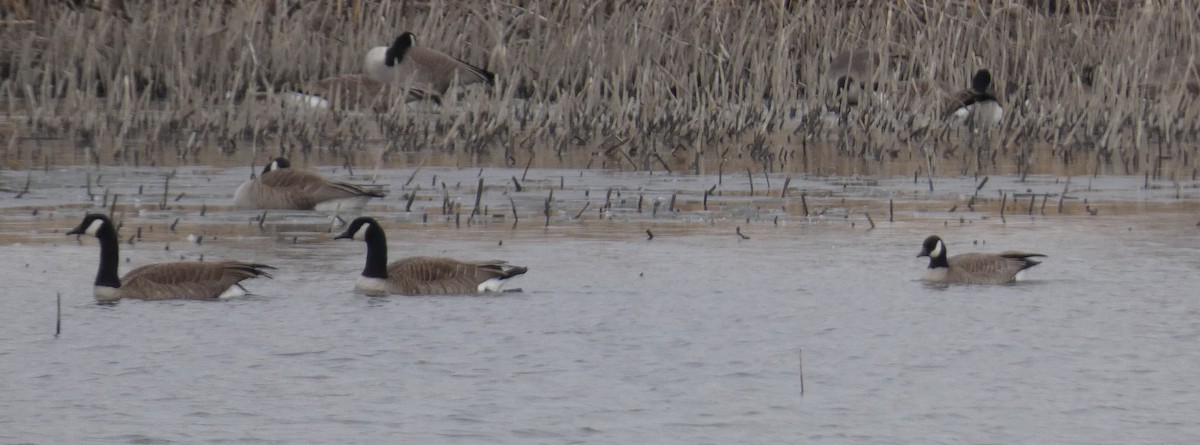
{"x":695,"y":336}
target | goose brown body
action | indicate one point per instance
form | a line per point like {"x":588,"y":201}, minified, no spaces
{"x":973,"y":268}
{"x":280,"y":187}
{"x":181,"y":280}
{"x":421,"y":275}
{"x":187,"y":280}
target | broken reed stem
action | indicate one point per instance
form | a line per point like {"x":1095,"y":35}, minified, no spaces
{"x":786,"y":182}
{"x":546,"y":210}
{"x":166,"y":191}
{"x":739,"y":233}
{"x":1063,"y":195}
{"x":516,"y":184}
{"x":584,"y":209}
{"x":1003,"y":203}
{"x":58,"y":314}
{"x":750,"y":176}
{"x":412,"y":195}
{"x":514,"y":210}
{"x":527,"y":164}
{"x":870,"y":220}
{"x":478,"y":197}
{"x":891,"y":210}
{"x":413,"y":175}
{"x":804,"y":204}
{"x":800,"y":355}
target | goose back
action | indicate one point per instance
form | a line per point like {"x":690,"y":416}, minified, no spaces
{"x":189,"y":280}
{"x":445,"y":276}
{"x":292,"y":189}
{"x":982,"y":268}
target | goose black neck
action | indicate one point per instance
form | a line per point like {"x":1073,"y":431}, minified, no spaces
{"x":939,"y":260}
{"x":395,"y":53}
{"x":376,"y":253}
{"x":109,"y":259}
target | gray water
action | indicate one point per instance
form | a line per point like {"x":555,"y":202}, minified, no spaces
{"x":696,"y":336}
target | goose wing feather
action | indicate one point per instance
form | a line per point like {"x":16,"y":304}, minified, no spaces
{"x":301,"y":190}
{"x":438,"y":70}
{"x":983,"y":268}
{"x":188,"y":280}
{"x":440,"y":276}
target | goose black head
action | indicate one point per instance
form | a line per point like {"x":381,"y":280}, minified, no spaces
{"x":981,"y":81}
{"x":276,"y":164}
{"x":360,"y":228}
{"x":395,"y":53}
{"x":933,"y":247}
{"x":94,"y":224}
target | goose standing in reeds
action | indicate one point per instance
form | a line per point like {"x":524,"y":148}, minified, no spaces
{"x":180,"y":280}
{"x":976,"y":106}
{"x":421,"y":275}
{"x":424,"y":70}
{"x":973,"y":268}
{"x":851,"y":71}
{"x":284,"y":188}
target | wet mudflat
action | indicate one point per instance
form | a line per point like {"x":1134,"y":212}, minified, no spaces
{"x":695,"y":336}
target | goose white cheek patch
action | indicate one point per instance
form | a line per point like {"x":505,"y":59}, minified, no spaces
{"x":362,"y":232}
{"x":94,"y":227}
{"x":937,"y":250}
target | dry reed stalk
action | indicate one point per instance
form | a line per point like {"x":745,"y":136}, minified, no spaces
{"x":193,"y":76}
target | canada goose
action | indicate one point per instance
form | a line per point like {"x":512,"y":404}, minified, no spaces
{"x":181,"y":280}
{"x":421,"y":275}
{"x":282,"y":187}
{"x":851,"y":71}
{"x":977,"y":105}
{"x":973,"y":268}
{"x":422,"y":69}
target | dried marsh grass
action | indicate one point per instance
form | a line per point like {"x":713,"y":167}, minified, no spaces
{"x":1089,"y":86}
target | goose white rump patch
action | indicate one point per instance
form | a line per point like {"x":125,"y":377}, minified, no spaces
{"x":234,"y":291}
{"x":491,"y":285}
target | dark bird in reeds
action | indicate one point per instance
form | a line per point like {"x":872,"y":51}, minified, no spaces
{"x":976,"y":106}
